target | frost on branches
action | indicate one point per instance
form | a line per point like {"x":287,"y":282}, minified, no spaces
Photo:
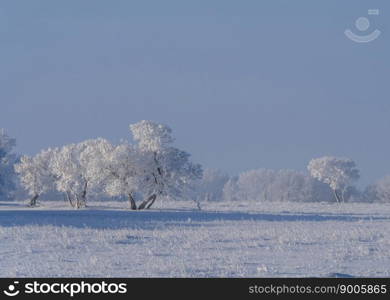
{"x":122,"y":169}
{"x":165,"y":170}
{"x":74,"y":169}
{"x":338,"y":173}
{"x":77,"y":168}
{"x":7,"y":160}
{"x":379,"y":191}
{"x":265,"y":185}
{"x":210,"y":186}
{"x":35,"y":174}
{"x":151,"y":168}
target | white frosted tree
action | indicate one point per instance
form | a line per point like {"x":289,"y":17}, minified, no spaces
{"x":230,"y":190}
{"x":256,"y":185}
{"x":7,"y":161}
{"x":210,"y":186}
{"x":78,"y":168}
{"x":381,"y":190}
{"x":93,"y":153}
{"x":166,"y":170}
{"x":35,"y":174}
{"x":123,"y":171}
{"x":266,"y":185}
{"x":66,"y":167}
{"x":338,"y":173}
{"x":6,"y":143}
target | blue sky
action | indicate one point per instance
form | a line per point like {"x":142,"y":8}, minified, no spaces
{"x":243,"y":84}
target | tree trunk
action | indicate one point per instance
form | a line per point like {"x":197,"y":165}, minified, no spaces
{"x":342,"y":195}
{"x":336,"y":196}
{"x":84,"y":195}
{"x":151,"y":202}
{"x":69,"y":199}
{"x":77,"y":201}
{"x":148,"y":202}
{"x":197,"y":202}
{"x":33,"y":200}
{"x":133,"y":205}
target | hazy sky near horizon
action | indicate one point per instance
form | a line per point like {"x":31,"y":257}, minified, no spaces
{"x":243,"y":84}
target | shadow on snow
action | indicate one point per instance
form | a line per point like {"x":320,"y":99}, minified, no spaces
{"x":114,"y":219}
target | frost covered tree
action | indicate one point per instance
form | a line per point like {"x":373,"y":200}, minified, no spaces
{"x":6,"y":143}
{"x":78,"y":169}
{"x":92,"y":155}
{"x":295,"y":186}
{"x":210,"y":186}
{"x":123,"y":171}
{"x":256,"y":185}
{"x":165,"y":170}
{"x":36,"y":175}
{"x":338,"y":173}
{"x":151,"y":168}
{"x":67,"y":169}
{"x":265,"y":185}
{"x":7,"y":161}
{"x":369,"y":194}
{"x":230,"y":190}
{"x":380,"y":191}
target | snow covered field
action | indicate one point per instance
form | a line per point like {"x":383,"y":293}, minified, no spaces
{"x":176,"y":240}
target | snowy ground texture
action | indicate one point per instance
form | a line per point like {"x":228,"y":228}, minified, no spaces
{"x":176,"y":240}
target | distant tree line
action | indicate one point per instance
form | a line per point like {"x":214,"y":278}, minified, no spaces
{"x":152,"y":167}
